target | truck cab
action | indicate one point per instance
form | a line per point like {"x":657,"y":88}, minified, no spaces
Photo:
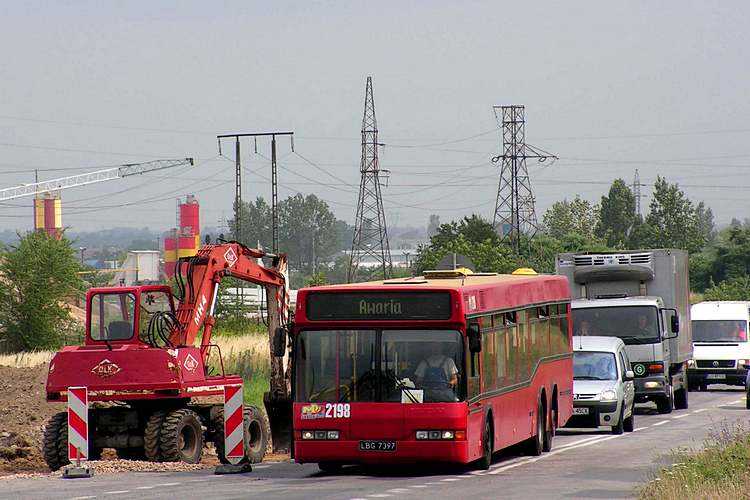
{"x":640,"y":296}
{"x":645,"y":327}
{"x":720,"y":345}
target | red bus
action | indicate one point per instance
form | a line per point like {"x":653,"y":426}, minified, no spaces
{"x":449,"y":367}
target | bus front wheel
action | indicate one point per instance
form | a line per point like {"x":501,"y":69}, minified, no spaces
{"x":487,"y":445}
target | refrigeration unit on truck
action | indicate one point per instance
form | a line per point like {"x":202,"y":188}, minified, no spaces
{"x":720,"y":347}
{"x":640,"y":296}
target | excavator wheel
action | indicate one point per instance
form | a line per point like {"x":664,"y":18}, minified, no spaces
{"x":55,"y":441}
{"x":256,"y":435}
{"x":152,"y":436}
{"x":181,"y":437}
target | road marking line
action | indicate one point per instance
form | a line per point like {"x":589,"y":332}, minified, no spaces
{"x":552,"y":453}
{"x":261,"y":466}
{"x":657,"y":424}
{"x":419,"y":486}
{"x":116,"y":492}
{"x":584,"y":440}
{"x":638,"y":429}
{"x":502,"y":464}
{"x":681,"y":416}
{"x":398,"y":490}
{"x":379,"y":495}
{"x":700,"y":410}
{"x":168,"y":484}
{"x":451,"y":479}
{"x":735,"y":401}
{"x":197,"y":480}
{"x":82,"y":498}
{"x":145,"y":488}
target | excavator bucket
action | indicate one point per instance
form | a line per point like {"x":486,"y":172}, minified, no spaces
{"x":280,"y":417}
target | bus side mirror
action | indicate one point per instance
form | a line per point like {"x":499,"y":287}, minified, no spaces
{"x":279,"y":342}
{"x":475,"y":337}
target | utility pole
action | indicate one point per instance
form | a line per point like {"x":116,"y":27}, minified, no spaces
{"x":274,"y":180}
{"x":637,"y":192}
{"x":370,"y":232}
{"x":514,"y":208}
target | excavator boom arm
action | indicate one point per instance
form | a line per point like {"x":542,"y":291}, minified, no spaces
{"x":201,"y":280}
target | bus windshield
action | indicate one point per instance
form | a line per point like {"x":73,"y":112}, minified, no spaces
{"x":633,"y":324}
{"x":719,"y":330}
{"x":411,"y":366}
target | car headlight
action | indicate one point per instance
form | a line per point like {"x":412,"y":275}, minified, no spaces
{"x":691,"y":363}
{"x":608,"y":395}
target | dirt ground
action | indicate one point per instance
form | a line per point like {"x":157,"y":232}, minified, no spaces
{"x":24,"y":413}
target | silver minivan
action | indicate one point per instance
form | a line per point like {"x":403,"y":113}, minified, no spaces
{"x":603,"y":389}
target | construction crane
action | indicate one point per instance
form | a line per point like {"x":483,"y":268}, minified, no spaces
{"x":108,"y":174}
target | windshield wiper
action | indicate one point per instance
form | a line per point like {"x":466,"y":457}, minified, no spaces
{"x":401,"y":386}
{"x":587,"y":377}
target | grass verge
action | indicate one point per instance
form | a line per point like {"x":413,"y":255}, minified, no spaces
{"x":721,"y":470}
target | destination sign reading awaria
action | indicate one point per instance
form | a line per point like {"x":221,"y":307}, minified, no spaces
{"x":378,"y":305}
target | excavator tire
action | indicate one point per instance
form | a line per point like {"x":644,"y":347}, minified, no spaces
{"x":55,"y":441}
{"x":181,"y":437}
{"x":152,"y":436}
{"x":256,"y":436}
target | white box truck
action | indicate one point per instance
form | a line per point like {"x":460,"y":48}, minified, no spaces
{"x":720,"y":347}
{"x":640,"y":296}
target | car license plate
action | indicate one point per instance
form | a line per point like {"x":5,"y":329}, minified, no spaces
{"x":716,"y":376}
{"x":580,"y":411}
{"x":377,"y":445}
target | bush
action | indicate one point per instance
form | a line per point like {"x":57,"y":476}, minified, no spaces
{"x":38,"y":274}
{"x":732,"y":289}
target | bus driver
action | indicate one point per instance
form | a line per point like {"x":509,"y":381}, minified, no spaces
{"x":437,"y":371}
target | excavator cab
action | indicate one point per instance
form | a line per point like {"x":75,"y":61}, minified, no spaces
{"x":130,"y":315}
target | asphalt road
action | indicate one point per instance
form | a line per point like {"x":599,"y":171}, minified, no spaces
{"x":582,"y":464}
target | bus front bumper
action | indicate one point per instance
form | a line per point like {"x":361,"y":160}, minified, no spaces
{"x":406,"y":452}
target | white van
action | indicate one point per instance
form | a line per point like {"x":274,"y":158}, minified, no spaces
{"x":720,"y":346}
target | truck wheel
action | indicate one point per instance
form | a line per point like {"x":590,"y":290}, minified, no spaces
{"x":681,"y":399}
{"x":256,"y":436}
{"x":535,"y":444}
{"x":181,"y":437}
{"x":55,"y":441}
{"x":152,"y":436}
{"x":664,"y":404}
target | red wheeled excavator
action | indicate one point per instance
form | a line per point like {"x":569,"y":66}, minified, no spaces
{"x":152,"y":395}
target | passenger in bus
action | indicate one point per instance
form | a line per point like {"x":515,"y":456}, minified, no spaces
{"x":437,"y":371}
{"x":739,"y":332}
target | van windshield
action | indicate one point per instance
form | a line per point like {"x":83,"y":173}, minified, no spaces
{"x":724,"y":330}
{"x":633,"y":324}
{"x":590,"y":365}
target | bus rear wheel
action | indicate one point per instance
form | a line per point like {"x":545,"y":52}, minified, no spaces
{"x":535,"y":444}
{"x":550,"y":432}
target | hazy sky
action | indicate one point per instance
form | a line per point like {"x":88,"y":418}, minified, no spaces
{"x":658,"y":86}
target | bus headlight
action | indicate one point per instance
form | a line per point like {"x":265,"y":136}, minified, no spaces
{"x":608,"y":395}
{"x":308,"y":435}
{"x":440,"y":435}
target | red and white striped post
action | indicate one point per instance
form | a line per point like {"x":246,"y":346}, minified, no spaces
{"x":234,"y":428}
{"x":78,"y":424}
